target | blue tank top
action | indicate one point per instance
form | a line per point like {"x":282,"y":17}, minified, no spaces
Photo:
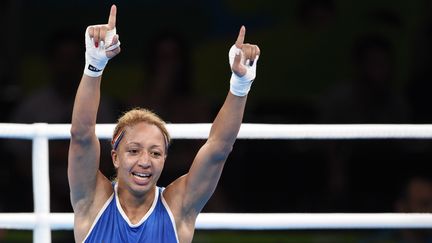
{"x":112,"y":224}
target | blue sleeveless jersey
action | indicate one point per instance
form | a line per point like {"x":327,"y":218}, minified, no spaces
{"x":113,"y":226}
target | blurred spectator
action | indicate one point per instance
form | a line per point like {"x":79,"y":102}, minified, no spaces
{"x":168,"y":88}
{"x":369,"y":96}
{"x":415,"y":197}
{"x":316,"y":14}
{"x":53,"y":104}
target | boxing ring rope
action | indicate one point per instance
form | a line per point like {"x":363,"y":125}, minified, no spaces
{"x":41,"y":221}
{"x":247,"y":131}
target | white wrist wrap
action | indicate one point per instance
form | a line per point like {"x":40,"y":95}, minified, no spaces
{"x":240,"y":86}
{"x":96,"y":58}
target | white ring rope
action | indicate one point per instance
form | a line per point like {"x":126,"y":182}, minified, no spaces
{"x":247,"y":131}
{"x":253,"y":221}
{"x":42,"y":221}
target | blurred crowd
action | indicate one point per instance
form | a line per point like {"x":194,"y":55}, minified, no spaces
{"x":376,"y":80}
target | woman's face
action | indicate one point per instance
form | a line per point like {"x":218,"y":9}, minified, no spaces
{"x":139,"y":158}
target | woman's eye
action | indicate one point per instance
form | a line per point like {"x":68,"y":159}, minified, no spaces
{"x":133,"y":151}
{"x":156,"y":154}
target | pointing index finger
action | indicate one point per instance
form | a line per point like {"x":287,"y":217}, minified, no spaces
{"x":241,"y":37}
{"x":112,"y":17}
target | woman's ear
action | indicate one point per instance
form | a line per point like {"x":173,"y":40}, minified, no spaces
{"x":114,"y":157}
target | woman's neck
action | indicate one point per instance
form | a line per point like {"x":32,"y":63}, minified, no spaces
{"x":135,"y":206}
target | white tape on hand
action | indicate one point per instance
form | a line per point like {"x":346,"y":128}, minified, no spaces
{"x":96,"y":58}
{"x":240,"y":85}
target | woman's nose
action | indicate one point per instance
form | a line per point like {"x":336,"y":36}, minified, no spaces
{"x":144,"y":160}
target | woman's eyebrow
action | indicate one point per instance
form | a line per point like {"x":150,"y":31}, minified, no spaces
{"x":134,"y":143}
{"x":140,"y":145}
{"x":157,"y":146}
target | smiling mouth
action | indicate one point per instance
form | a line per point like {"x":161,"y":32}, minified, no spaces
{"x":141,"y":175}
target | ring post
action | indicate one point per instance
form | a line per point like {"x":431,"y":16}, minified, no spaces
{"x":41,"y":188}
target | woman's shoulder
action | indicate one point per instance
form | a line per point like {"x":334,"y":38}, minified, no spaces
{"x":87,"y":212}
